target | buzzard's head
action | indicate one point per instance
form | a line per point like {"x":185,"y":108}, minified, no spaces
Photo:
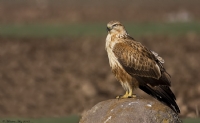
{"x":115,"y":27}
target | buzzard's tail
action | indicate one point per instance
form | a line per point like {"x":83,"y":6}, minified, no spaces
{"x":162,"y":93}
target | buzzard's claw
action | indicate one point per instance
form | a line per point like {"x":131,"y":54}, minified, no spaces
{"x":126,"y":96}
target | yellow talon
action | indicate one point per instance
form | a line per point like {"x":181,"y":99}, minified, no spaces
{"x":126,"y":95}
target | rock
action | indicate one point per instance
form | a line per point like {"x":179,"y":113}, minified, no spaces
{"x":131,"y":110}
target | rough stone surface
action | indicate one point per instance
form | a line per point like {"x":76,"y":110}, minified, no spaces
{"x":132,"y":110}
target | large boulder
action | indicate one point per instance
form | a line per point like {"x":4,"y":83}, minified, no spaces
{"x":131,"y":110}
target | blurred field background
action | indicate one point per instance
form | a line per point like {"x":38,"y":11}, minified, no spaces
{"x":53,"y":63}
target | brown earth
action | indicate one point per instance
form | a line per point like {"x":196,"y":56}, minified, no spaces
{"x":61,"y":76}
{"x":68,"y":11}
{"x":57,"y":77}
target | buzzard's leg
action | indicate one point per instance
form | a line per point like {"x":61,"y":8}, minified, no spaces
{"x":130,"y":94}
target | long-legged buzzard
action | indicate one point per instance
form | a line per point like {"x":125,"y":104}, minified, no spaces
{"x":136,"y":66}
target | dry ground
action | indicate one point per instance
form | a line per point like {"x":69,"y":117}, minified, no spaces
{"x":61,"y":76}
{"x":58,"y":77}
{"x":68,"y":11}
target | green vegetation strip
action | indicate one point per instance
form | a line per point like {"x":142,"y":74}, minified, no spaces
{"x":70,"y":119}
{"x":191,"y":120}
{"x":96,"y":29}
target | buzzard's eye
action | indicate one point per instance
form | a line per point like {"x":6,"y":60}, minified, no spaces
{"x":115,"y":25}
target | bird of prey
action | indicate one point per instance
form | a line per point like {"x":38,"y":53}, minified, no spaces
{"x":135,"y":66}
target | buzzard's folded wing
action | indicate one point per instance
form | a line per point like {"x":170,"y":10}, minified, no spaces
{"x":138,"y":61}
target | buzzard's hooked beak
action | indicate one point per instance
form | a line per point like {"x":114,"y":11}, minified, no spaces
{"x":108,"y":29}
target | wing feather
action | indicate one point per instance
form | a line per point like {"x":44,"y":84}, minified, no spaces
{"x":141,"y":63}
{"x":162,"y":93}
{"x":136,"y":59}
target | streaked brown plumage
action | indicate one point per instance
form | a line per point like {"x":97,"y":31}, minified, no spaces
{"x":136,"y":66}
